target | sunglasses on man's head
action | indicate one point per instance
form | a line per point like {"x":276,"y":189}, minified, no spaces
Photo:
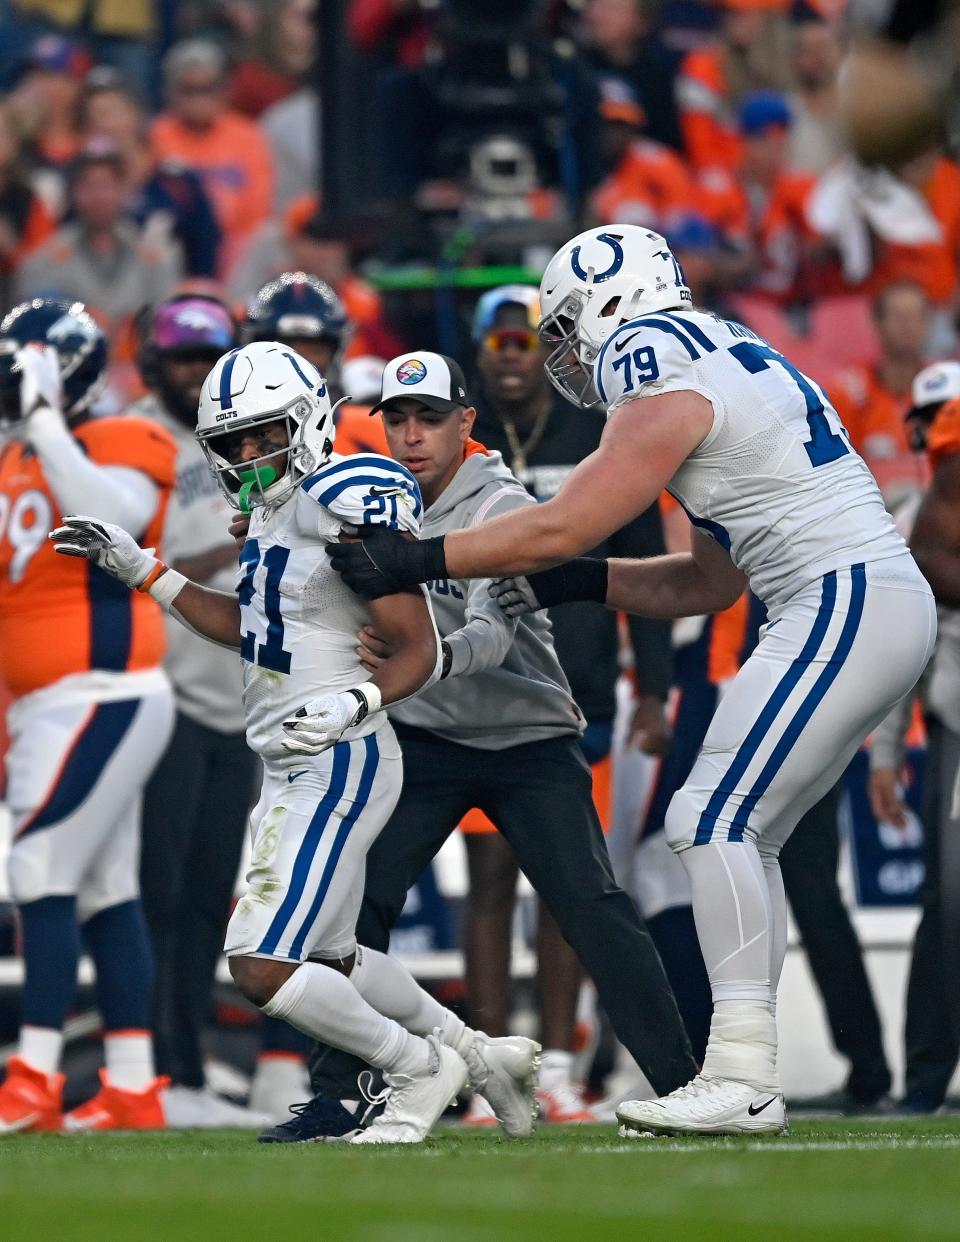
{"x":524,"y":339}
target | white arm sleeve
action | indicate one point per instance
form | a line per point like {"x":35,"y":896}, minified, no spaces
{"x":117,"y":494}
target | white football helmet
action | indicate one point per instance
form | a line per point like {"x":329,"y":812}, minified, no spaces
{"x":265,"y":382}
{"x":597,"y":281}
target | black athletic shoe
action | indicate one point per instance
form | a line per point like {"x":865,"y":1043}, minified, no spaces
{"x":317,"y":1121}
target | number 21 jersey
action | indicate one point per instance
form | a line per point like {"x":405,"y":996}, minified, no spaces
{"x":776,"y":481}
{"x":298,"y":618}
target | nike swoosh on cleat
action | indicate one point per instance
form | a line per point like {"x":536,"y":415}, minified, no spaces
{"x":626,"y":341}
{"x":21,"y":1124}
{"x":766,"y":1104}
{"x":88,"y":1123}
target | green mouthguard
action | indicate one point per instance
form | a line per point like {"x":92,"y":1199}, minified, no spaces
{"x":249,"y":479}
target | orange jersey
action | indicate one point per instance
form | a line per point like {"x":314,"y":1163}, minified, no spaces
{"x":358,"y":432}
{"x":707,"y":120}
{"x":933,"y":265}
{"x":60,"y":616}
{"x":943,"y":438}
{"x":650,"y":183}
{"x":232,"y":160}
{"x":874,"y":417}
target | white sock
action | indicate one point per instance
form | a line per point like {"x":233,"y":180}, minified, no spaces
{"x":743,"y":1044}
{"x":129,"y":1058}
{"x":778,"y":910}
{"x":556,"y":1069}
{"x":324,"y":1004}
{"x":40,"y":1047}
{"x":389,"y":987}
{"x":731,"y":907}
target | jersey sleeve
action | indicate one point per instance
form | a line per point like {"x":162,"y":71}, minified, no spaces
{"x":368,"y":490}
{"x":943,"y":438}
{"x":644,"y":357}
{"x":134,"y":442}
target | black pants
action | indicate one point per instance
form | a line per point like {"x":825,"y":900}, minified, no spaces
{"x":809,"y":865}
{"x":933,"y":992}
{"x":194,"y":815}
{"x":539,"y":796}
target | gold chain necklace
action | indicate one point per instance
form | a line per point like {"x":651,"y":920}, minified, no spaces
{"x":519,"y":450}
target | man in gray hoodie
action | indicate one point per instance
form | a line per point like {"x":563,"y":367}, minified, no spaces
{"x":500,"y":732}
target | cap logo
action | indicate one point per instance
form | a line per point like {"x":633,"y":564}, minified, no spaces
{"x":936,"y":381}
{"x":411,"y":372}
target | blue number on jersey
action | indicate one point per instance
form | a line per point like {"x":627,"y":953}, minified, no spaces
{"x":269,"y":654}
{"x":375,"y":509}
{"x":824,"y":445}
{"x":645,"y":361}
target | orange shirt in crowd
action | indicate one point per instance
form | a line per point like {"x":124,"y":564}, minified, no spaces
{"x":59,"y":615}
{"x":234,"y":163}
{"x":774,"y":224}
{"x":707,"y":119}
{"x":874,"y":417}
{"x":943,"y":438}
{"x":934,"y":265}
{"x":650,"y":183}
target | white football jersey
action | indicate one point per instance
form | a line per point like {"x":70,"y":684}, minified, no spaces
{"x":776,"y":481}
{"x":298,"y":619}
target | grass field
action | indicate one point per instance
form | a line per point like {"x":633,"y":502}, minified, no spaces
{"x":826,"y":1180}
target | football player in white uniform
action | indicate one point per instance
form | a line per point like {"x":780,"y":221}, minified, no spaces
{"x":331,"y":760}
{"x":779,"y":500}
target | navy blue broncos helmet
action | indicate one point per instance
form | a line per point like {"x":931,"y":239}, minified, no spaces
{"x":297,"y":307}
{"x":81,"y":349}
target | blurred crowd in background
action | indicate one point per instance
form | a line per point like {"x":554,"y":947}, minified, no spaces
{"x":414,"y":154}
{"x":144,"y":145}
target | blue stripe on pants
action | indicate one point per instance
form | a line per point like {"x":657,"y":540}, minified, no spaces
{"x":85,"y":761}
{"x":768,"y":716}
{"x":308,"y":848}
{"x":858,"y":591}
{"x":371,"y":762}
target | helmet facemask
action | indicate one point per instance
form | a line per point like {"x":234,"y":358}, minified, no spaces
{"x":571,"y":365}
{"x":271,"y":477}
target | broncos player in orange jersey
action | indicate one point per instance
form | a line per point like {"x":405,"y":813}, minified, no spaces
{"x":91,"y":715}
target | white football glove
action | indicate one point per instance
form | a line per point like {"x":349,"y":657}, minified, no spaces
{"x":322,"y":722}
{"x":106,"y":545}
{"x":40,"y":385}
{"x":515,"y":596}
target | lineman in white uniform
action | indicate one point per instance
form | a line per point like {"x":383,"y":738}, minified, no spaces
{"x":779,"y":500}
{"x":332,"y":767}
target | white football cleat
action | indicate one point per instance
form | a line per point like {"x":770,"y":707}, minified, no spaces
{"x":414,"y":1102}
{"x":504,"y":1071}
{"x":705,"y":1106}
{"x":192,"y":1108}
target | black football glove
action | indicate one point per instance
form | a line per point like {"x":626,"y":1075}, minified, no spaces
{"x":384,"y":563}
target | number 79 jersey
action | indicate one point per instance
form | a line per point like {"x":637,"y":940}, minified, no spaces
{"x":298,"y":619}
{"x":776,"y":481}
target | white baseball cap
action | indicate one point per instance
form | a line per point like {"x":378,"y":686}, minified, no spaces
{"x":434,"y":380}
{"x":935,"y":384}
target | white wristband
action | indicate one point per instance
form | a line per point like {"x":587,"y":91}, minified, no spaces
{"x":371,"y":696}
{"x":166,"y":588}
